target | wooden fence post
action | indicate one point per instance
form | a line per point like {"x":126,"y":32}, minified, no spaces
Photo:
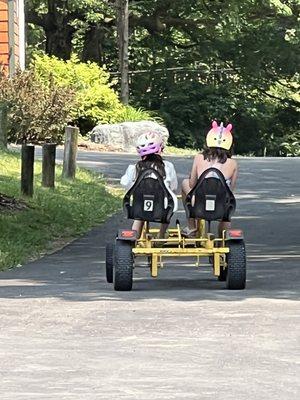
{"x":27,"y":169}
{"x":3,"y":125}
{"x":48,"y":175}
{"x":70,"y":152}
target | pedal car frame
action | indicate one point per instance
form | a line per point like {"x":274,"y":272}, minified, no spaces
{"x":150,"y":201}
{"x":227,"y":253}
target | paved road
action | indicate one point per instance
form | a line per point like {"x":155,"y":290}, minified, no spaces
{"x":64,"y":334}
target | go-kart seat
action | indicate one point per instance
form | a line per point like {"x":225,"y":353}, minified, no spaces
{"x":211,"y":199}
{"x":149,"y":199}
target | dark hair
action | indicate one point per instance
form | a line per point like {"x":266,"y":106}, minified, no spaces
{"x":213,"y":153}
{"x":152,"y":161}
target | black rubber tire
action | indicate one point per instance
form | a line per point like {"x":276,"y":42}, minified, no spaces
{"x":109,"y":262}
{"x":236,"y":265}
{"x":123,"y":266}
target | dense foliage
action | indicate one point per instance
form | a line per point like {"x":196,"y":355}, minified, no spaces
{"x":96,"y":101}
{"x":53,"y":92}
{"x":194,"y":60}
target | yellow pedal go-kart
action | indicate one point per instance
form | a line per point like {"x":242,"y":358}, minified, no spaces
{"x":149,"y":200}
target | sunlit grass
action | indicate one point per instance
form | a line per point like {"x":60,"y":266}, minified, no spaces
{"x":53,"y":215}
{"x":171,"y":150}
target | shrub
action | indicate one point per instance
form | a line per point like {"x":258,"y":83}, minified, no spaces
{"x":132,"y":114}
{"x":291,"y":147}
{"x":96,"y":101}
{"x":37,"y":112}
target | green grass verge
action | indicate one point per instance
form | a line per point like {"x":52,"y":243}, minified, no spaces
{"x":54,"y":216}
{"x":176,"y":151}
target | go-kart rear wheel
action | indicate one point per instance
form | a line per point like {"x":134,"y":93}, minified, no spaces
{"x":123,"y":267}
{"x":236,"y":265}
{"x":109,"y":262}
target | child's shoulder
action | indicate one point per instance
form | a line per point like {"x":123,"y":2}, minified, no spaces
{"x":130,"y":169}
{"x":232,"y":161}
{"x":199,"y":158}
{"x":131,"y":166}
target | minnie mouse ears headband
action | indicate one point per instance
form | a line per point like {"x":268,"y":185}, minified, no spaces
{"x":220,"y":136}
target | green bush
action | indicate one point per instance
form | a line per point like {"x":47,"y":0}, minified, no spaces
{"x":132,"y":114}
{"x":36,"y":112}
{"x":96,"y":101}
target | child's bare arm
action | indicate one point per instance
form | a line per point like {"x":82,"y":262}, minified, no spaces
{"x":194,"y":175}
{"x":234,"y":177}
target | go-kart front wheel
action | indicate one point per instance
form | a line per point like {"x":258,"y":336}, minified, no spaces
{"x":236,"y":265}
{"x":123,"y":266}
{"x":109,"y":262}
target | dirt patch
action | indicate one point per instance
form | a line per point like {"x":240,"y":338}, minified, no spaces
{"x":8,"y":203}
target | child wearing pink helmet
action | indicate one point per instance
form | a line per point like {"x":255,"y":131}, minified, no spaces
{"x":149,"y":147}
{"x":216,"y":154}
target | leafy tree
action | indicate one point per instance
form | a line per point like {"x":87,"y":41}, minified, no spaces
{"x":68,"y":25}
{"x":242,"y":55}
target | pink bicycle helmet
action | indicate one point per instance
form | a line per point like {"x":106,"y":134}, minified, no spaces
{"x":149,"y":143}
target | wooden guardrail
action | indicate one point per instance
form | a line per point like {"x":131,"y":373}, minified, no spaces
{"x":27,"y":169}
{"x":48,"y":162}
{"x":70,"y":152}
{"x":48,"y":168}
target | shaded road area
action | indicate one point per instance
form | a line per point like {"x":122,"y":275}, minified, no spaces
{"x":65,"y":334}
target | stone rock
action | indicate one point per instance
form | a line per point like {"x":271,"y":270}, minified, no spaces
{"x":123,"y":136}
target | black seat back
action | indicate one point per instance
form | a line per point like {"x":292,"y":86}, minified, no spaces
{"x":211,"y":199}
{"x":149,"y":199}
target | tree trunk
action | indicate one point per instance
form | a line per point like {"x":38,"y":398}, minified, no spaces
{"x":59,"y":35}
{"x":56,"y":24}
{"x":92,"y":48}
{"x":123,"y":41}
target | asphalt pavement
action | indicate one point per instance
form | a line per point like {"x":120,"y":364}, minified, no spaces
{"x":65,"y":334}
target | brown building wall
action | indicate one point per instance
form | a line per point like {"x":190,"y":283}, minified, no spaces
{"x":7,"y":37}
{"x":4,"y":40}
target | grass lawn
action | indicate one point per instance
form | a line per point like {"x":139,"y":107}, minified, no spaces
{"x":176,"y":151}
{"x":53,"y":216}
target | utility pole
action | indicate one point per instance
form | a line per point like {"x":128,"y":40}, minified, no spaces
{"x":123,"y":41}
